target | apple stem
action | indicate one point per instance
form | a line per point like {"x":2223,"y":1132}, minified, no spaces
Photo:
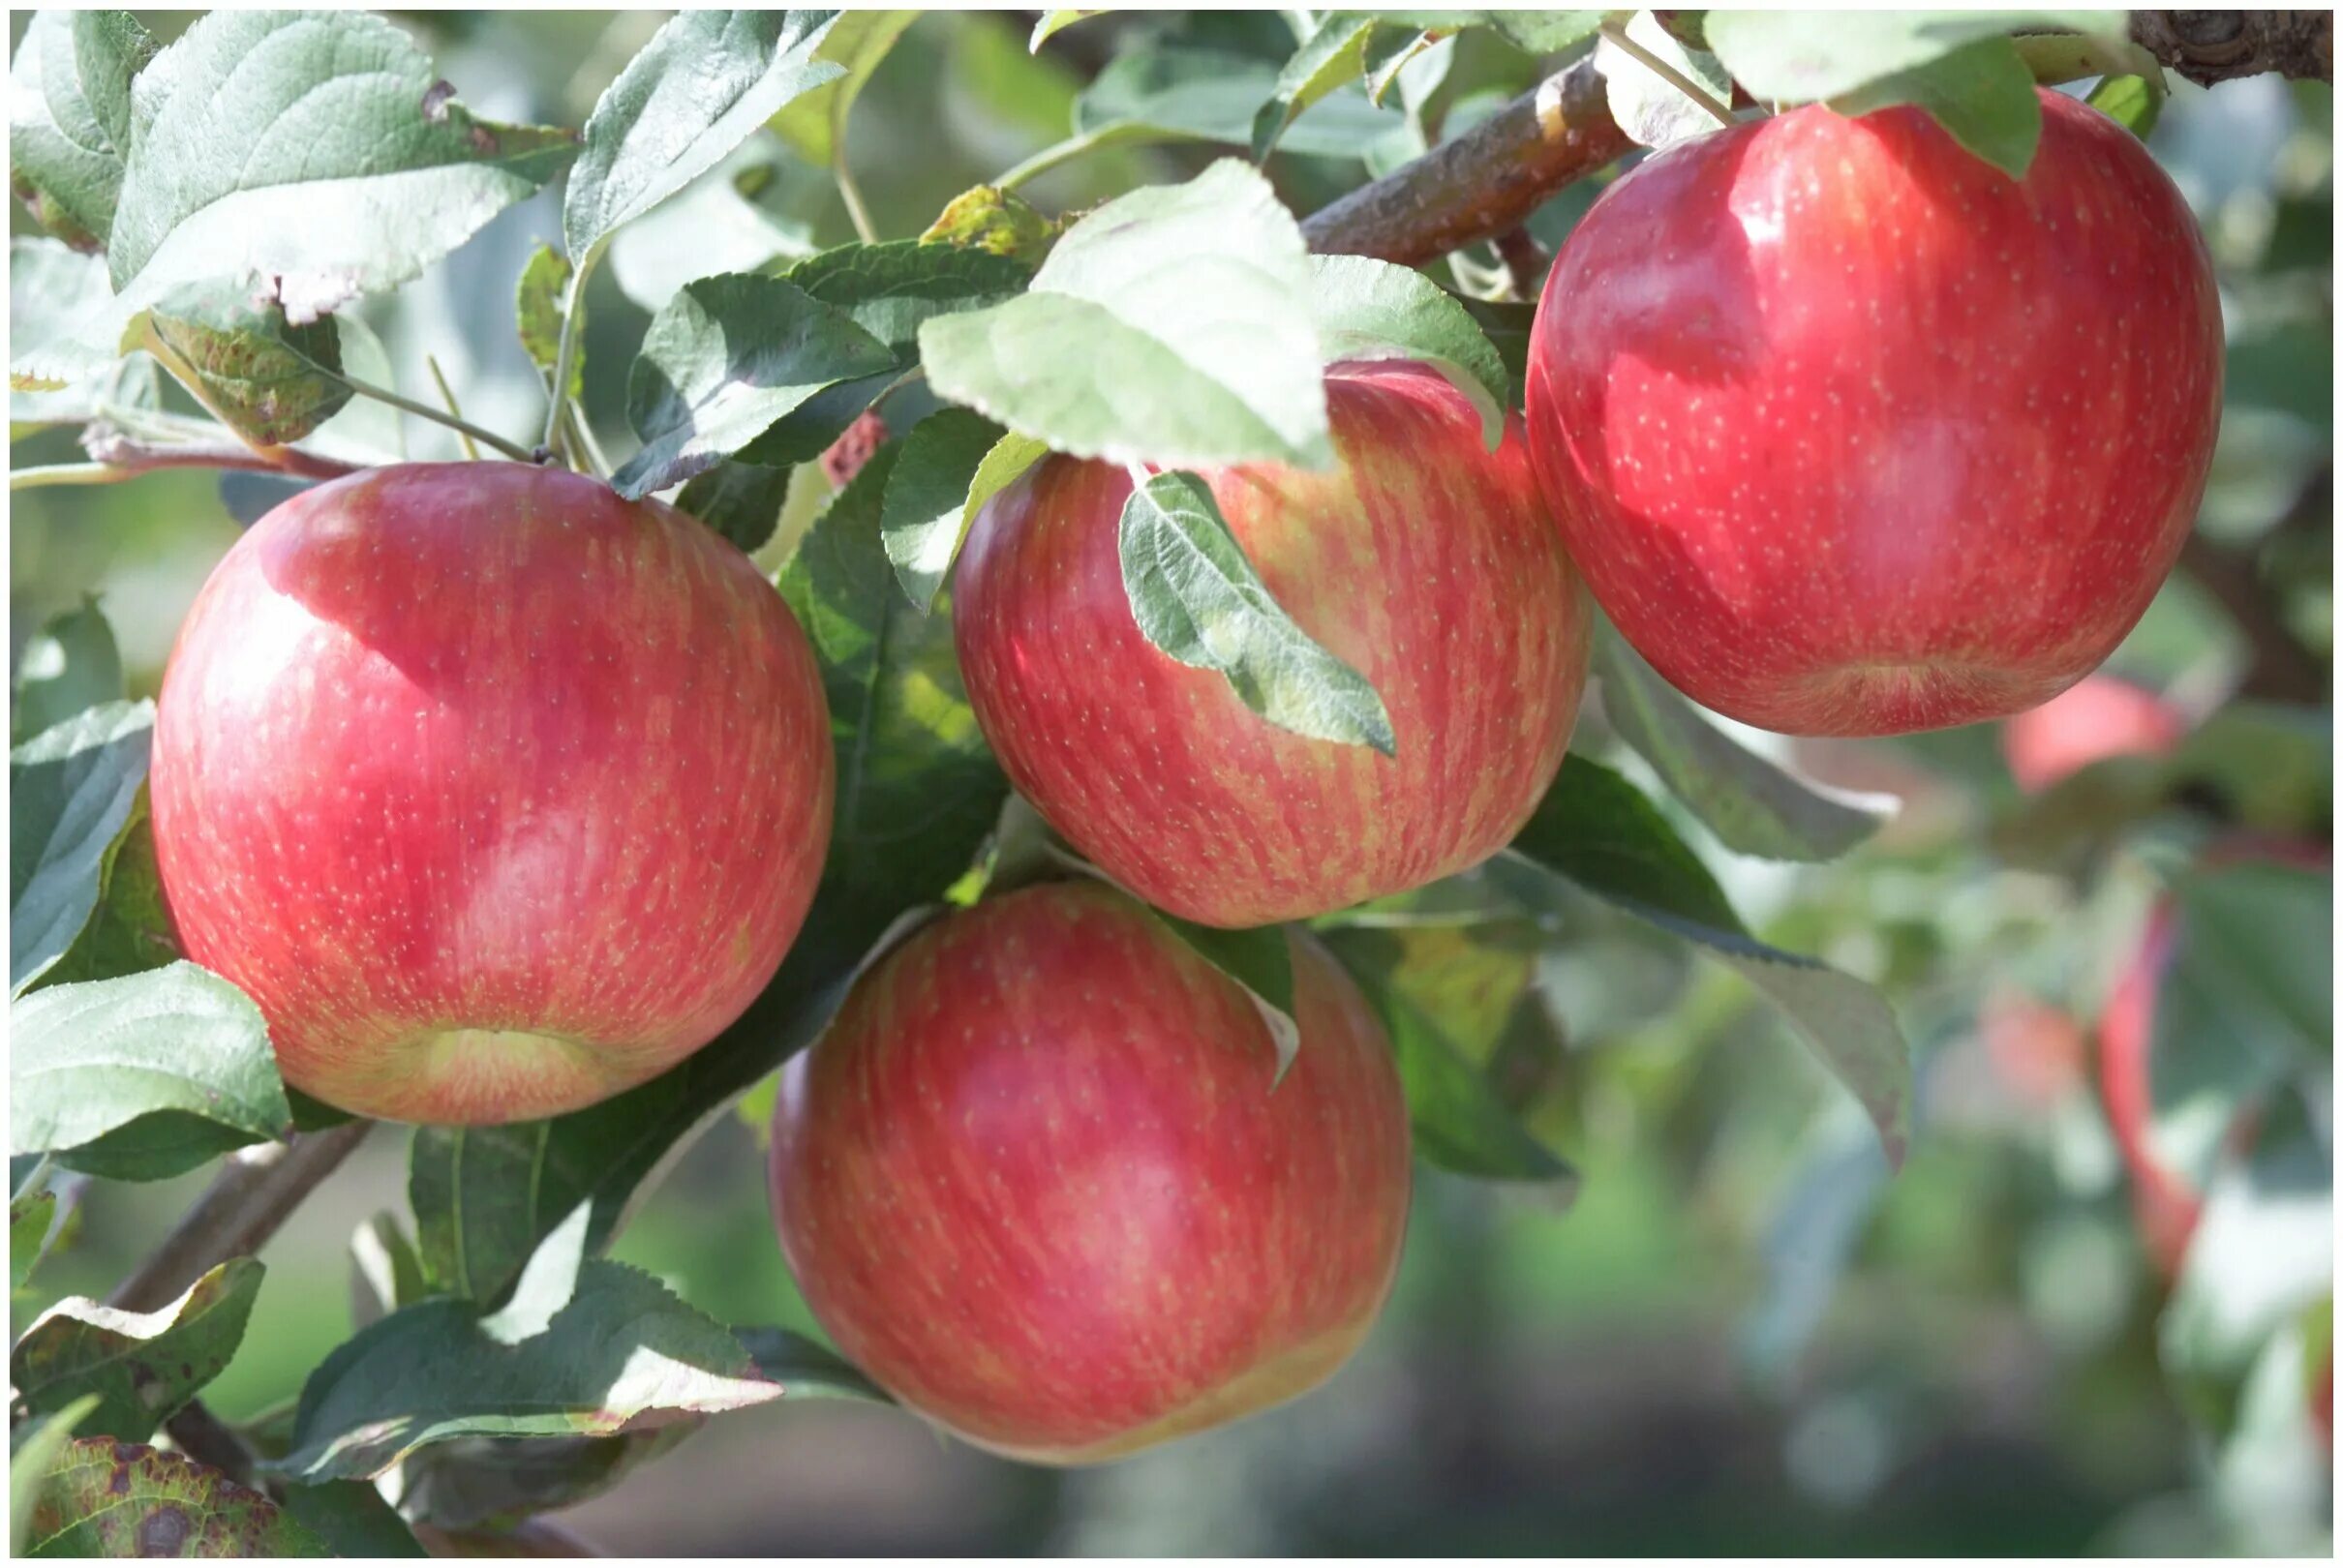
{"x":455,"y":411}
{"x":424,"y":411}
{"x":1658,"y":66}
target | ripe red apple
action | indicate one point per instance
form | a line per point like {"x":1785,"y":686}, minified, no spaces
{"x":497,"y":793}
{"x":1036,"y":1181}
{"x":2098,"y":717}
{"x":1854,"y":435}
{"x":2165,"y":1202}
{"x":1426,"y":562}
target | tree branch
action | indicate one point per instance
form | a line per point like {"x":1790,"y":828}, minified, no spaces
{"x":123,"y":452}
{"x":256,"y":1191}
{"x":1493,"y":176}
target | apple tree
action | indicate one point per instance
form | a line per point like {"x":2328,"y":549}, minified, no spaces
{"x":1124,"y":715}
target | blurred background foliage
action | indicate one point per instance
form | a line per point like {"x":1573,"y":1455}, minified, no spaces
{"x":1745,"y":1336}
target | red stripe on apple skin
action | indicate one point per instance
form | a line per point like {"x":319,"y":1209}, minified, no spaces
{"x":1426,"y":563}
{"x":1853,"y":434}
{"x":1035,"y":1181}
{"x":483,"y":748}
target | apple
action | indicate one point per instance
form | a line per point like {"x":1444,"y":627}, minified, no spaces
{"x":1424,"y":562}
{"x":2165,"y":1202}
{"x":1853,"y":434}
{"x":1038,"y":1181}
{"x":498,"y":794}
{"x":2098,"y":717}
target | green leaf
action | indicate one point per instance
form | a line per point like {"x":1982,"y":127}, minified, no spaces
{"x":723,"y":363}
{"x":625,"y":1354}
{"x":1596,"y":830}
{"x":141,"y":1366}
{"x":1055,"y":21}
{"x":1798,"y":56}
{"x":815,"y":123}
{"x":495,"y":1483}
{"x":475,"y":1195}
{"x":266,"y":379}
{"x":1459,"y":1122}
{"x":1753,"y":806}
{"x":315,"y":152}
{"x":1982,"y":94}
{"x":2134,"y":103}
{"x":130,"y":930}
{"x":1001,"y":222}
{"x":58,"y":302}
{"x":70,"y":665}
{"x":803,"y":1369}
{"x":740,"y":501}
{"x":926,"y":512}
{"x":28,"y":1225}
{"x":353,"y":1520}
{"x":103,"y":1498}
{"x":1333,"y":55}
{"x":385,"y":1274}
{"x":1365,"y":308}
{"x":368,"y":432}
{"x":548,"y":1281}
{"x":538,"y":305}
{"x":890,"y":289}
{"x":1171,"y":325}
{"x":1198,"y":598}
{"x":702,"y":86}
{"x":1261,"y":959}
{"x":71,"y":789}
{"x":715,"y":225}
{"x":32,"y":1447}
{"x":1652,"y":110}
{"x":69,"y":118}
{"x":172,"y":1046}
{"x":1175,"y":93}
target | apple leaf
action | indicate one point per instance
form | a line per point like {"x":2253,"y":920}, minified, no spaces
{"x":104,"y":1498}
{"x":1652,"y":110}
{"x":1178,"y":93}
{"x":69,"y":118}
{"x":1365,"y":308}
{"x":32,"y":1447}
{"x":1752,"y":806}
{"x":1333,"y":55}
{"x":1198,"y":598}
{"x":814,"y":122}
{"x":1981,"y":93}
{"x":538,"y":305}
{"x":924,"y":514}
{"x":1055,"y":21}
{"x":1798,"y":56}
{"x":60,"y":314}
{"x":69,"y":666}
{"x":1173,"y":326}
{"x":702,"y":86}
{"x":548,"y":1281}
{"x":1000,"y":222}
{"x":723,"y":363}
{"x":354,"y":1519}
{"x":143,"y":1077}
{"x":1596,"y":830}
{"x":918,"y":793}
{"x":71,"y":789}
{"x":742,"y":501}
{"x":1459,"y":1122}
{"x":28,"y":1225}
{"x":367,"y":432}
{"x":2134,"y":103}
{"x":141,"y":1366}
{"x":623,"y":1354}
{"x":494,"y":1483}
{"x":315,"y":152}
{"x":385,"y":1272}
{"x":714,"y":226}
{"x":268,"y":380}
{"x":130,"y":930}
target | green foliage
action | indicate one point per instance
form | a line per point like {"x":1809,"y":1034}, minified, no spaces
{"x":29,"y":1217}
{"x":71,"y":789}
{"x":930,"y":500}
{"x":102,"y":1498}
{"x":69,"y":131}
{"x":538,"y":307}
{"x":1366,"y":308}
{"x":69,"y":665}
{"x":139,"y":1367}
{"x":815,"y":123}
{"x":268,"y":380}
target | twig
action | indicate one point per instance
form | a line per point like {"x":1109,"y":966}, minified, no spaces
{"x":208,"y":1441}
{"x":256,"y":1191}
{"x":852,"y":195}
{"x":455,"y":410}
{"x":126,"y":456}
{"x":1495,"y":175}
{"x":1525,"y":263}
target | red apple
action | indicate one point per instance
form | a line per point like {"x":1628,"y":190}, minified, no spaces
{"x":1425,"y":562}
{"x":2165,"y":1201}
{"x":1854,"y":435}
{"x":497,"y":793}
{"x":1037,"y":1181}
{"x":2096,"y":718}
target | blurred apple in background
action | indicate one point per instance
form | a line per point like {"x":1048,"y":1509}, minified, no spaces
{"x":2100,"y":716}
